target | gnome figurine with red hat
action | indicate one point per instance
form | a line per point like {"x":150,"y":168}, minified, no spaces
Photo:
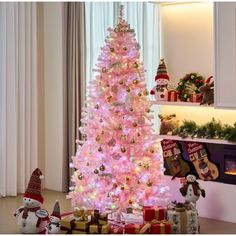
{"x":30,"y":217}
{"x":162,"y":79}
{"x":54,"y":224}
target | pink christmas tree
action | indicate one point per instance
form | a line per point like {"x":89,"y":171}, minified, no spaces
{"x":117,"y":164}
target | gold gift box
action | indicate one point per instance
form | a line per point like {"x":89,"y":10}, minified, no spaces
{"x":99,"y":229}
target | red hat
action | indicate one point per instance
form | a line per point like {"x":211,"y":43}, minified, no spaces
{"x":34,"y":186}
{"x":56,"y":210}
{"x":161,"y":71}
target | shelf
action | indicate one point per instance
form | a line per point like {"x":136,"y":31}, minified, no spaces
{"x":201,"y":140}
{"x":179,"y":103}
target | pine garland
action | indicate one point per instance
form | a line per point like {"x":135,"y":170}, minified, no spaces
{"x":211,"y":130}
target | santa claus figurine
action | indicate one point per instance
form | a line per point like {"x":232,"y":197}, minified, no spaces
{"x":162,"y":79}
{"x":54,"y":224}
{"x":30,"y":217}
{"x":191,"y":189}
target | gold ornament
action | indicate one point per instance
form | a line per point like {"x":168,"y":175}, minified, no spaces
{"x":152,"y":151}
{"x":138,"y":134}
{"x":121,"y":82}
{"x":130,"y":202}
{"x":127,"y":178}
{"x":138,"y":182}
{"x":109,"y":98}
{"x":112,"y":142}
{"x":135,"y":124}
{"x":139,"y":94}
{"x":115,"y":185}
{"x":112,"y":49}
{"x":131,"y":109}
{"x":123,"y":136}
{"x":102,"y":132}
{"x":132,"y":141}
{"x":102,"y":168}
{"x":119,"y":127}
{"x":135,"y":81}
{"x":97,"y":106}
{"x":123,"y":149}
{"x":80,"y":177}
{"x":136,"y":65}
{"x":100,"y":149}
{"x":128,"y":90}
{"x":124,"y":48}
{"x":104,"y":70}
{"x":122,"y":188}
{"x":147,"y":110}
{"x":96,"y":171}
{"x":149,"y":183}
{"x":98,"y":138}
{"x":146,"y":92}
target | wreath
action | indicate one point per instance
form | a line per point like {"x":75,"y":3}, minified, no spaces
{"x":189,"y":84}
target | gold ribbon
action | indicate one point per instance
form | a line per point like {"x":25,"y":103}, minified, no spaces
{"x":82,"y":215}
{"x":147,"y":227}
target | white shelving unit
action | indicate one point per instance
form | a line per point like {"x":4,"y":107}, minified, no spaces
{"x":202,"y":140}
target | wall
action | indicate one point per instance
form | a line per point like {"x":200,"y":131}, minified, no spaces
{"x":187,"y":46}
{"x":52,"y":56}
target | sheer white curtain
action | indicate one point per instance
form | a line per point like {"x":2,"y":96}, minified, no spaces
{"x":18,"y":96}
{"x":143,"y":18}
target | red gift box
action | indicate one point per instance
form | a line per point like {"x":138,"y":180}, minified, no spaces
{"x":156,"y":227}
{"x":132,"y":228}
{"x":195,"y":98}
{"x":172,"y":96}
{"x":153,"y":212}
{"x":115,"y":229}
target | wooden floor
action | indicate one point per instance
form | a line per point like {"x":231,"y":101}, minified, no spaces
{"x":9,"y":204}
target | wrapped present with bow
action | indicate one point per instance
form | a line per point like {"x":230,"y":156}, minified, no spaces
{"x":156,"y":227}
{"x":183,"y":218}
{"x":82,"y":214}
{"x":69,"y":225}
{"x":99,"y":223}
{"x":153,"y":212}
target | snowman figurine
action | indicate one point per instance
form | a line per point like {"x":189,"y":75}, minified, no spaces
{"x":30,"y":217}
{"x":54,"y":224}
{"x":162,"y":79}
{"x":191,"y":190}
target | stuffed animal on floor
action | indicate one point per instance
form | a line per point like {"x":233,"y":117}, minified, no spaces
{"x":191,"y":190}
{"x":54,"y":224}
{"x":30,"y":217}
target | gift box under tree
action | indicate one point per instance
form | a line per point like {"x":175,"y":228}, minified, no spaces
{"x":184,"y":219}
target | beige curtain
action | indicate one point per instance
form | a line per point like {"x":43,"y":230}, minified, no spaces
{"x":76,"y":83}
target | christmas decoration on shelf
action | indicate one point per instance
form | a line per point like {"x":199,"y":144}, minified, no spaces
{"x":172,"y":96}
{"x":118,"y":164}
{"x":211,"y":130}
{"x":191,"y":190}
{"x":190,"y":85}
{"x":54,"y":224}
{"x":162,"y":79}
{"x":31,"y":219}
{"x":169,"y":124}
{"x":178,"y":167}
{"x":198,"y":156}
{"x":183,"y":218}
{"x":207,"y":91}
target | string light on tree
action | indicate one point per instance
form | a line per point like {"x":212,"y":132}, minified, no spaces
{"x":116,"y":147}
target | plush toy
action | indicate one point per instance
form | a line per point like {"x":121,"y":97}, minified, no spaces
{"x":162,"y":79}
{"x":54,"y":224}
{"x":30,"y":217}
{"x":169,"y":124}
{"x":191,"y":189}
{"x":207,"y":91}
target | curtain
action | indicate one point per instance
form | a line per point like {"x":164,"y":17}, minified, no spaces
{"x":76,"y":83}
{"x":143,"y":17}
{"x":18,"y":96}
